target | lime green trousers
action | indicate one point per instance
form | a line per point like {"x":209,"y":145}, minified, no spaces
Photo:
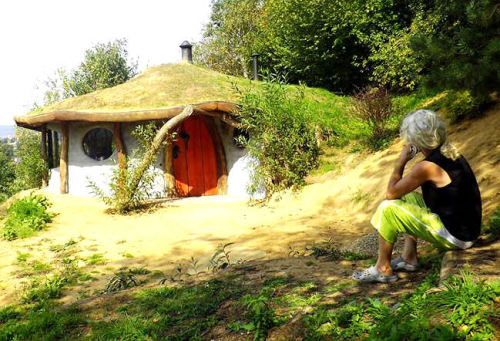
{"x":410,"y":215}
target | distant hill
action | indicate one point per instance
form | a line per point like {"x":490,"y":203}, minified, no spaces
{"x":7,"y":131}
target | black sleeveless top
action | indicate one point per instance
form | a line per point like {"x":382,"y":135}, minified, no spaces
{"x":458,"y":204}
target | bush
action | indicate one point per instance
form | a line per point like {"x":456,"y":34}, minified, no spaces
{"x":31,"y":167}
{"x":7,"y":171}
{"x":374,"y":107}
{"x":120,"y":196}
{"x":282,"y":137}
{"x":25,"y":216}
{"x":458,"y":105}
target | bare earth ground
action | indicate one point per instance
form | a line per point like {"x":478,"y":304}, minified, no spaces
{"x":336,"y":206}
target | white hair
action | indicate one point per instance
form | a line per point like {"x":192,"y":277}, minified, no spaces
{"x":425,"y":130}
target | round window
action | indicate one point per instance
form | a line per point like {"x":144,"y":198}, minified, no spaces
{"x":98,"y":144}
{"x":240,"y":137}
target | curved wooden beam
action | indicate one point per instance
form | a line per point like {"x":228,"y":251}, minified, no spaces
{"x":223,"y":110}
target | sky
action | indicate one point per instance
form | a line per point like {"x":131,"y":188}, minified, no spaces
{"x":38,"y":37}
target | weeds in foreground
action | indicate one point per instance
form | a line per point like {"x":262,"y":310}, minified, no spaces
{"x":26,"y":216}
{"x":120,"y":281}
{"x":220,"y":259}
{"x":464,"y":310}
{"x":333,"y":253}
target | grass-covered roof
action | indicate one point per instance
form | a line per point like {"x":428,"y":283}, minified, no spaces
{"x":159,"y":92}
{"x":162,"y":86}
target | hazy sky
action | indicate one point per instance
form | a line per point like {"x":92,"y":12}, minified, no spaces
{"x":37,"y":37}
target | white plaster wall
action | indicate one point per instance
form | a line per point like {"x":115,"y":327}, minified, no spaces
{"x":239,"y":165}
{"x":83,"y":169}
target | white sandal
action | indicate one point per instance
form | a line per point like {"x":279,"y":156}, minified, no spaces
{"x":372,"y":275}
{"x":400,"y":264}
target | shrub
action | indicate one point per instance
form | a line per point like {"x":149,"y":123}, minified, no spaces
{"x":374,"y":107}
{"x":25,"y":216}
{"x":7,"y":171}
{"x":121,"y":196}
{"x":282,"y":138}
{"x":458,"y":105}
{"x":31,"y":167}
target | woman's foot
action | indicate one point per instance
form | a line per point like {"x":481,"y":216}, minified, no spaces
{"x":399,"y":264}
{"x":373,"y":275}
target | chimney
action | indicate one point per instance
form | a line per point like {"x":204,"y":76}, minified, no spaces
{"x":187,"y":54}
{"x":255,"y":63}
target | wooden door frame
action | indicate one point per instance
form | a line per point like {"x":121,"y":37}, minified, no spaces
{"x":220,"y":154}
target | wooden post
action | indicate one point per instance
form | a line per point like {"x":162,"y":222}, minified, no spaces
{"x":44,"y":156}
{"x":56,"y":148}
{"x":120,"y":146}
{"x":168,"y":168}
{"x":63,"y":164}
{"x":50,"y":150}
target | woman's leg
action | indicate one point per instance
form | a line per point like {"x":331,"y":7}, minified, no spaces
{"x":410,"y":250}
{"x":384,"y":256}
{"x":406,"y":215}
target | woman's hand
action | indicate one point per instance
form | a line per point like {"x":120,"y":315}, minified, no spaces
{"x":406,"y":154}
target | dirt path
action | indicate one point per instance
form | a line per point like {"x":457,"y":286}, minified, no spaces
{"x":338,"y":207}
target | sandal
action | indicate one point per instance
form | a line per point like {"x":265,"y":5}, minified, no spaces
{"x":371,"y":275}
{"x":399,"y":264}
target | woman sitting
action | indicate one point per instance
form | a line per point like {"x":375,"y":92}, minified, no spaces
{"x":448,"y":214}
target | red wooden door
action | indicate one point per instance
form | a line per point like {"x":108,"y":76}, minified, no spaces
{"x":195,"y":162}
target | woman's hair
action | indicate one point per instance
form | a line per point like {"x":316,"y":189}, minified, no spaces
{"x":425,"y":129}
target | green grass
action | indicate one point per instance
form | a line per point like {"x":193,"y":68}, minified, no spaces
{"x":26,"y":216}
{"x":96,"y":259}
{"x":22,"y":257}
{"x":182,"y":313}
{"x":463,"y":310}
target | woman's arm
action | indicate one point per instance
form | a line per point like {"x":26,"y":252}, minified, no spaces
{"x":399,"y":185}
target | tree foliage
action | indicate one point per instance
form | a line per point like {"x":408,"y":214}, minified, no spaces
{"x":320,"y":42}
{"x":30,"y":167}
{"x":104,"y":66}
{"x":231,"y":36}
{"x":463,"y":53}
{"x":7,"y":171}
{"x":346,"y":45}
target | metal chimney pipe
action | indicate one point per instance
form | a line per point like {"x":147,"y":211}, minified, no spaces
{"x":187,"y":52}
{"x":255,"y":63}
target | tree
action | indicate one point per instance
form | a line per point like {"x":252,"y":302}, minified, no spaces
{"x":319,"y":42}
{"x":230,"y":38}
{"x":463,"y":53}
{"x":30,"y":167}
{"x":104,"y":66}
{"x":7,"y":171}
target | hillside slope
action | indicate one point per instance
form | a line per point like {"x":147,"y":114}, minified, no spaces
{"x":336,"y":208}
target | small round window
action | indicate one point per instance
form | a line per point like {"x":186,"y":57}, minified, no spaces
{"x":240,"y":137}
{"x":98,"y":144}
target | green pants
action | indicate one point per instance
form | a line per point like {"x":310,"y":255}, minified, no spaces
{"x":410,"y":215}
